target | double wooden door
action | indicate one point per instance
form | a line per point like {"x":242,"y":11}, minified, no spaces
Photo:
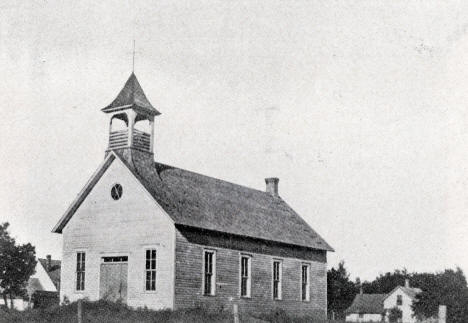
{"x":113,"y":281}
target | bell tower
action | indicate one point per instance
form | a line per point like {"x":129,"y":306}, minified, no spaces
{"x":131,"y":125}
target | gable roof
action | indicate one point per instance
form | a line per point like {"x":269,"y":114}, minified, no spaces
{"x":367,"y":304}
{"x":410,"y":291}
{"x":131,"y":96}
{"x":53,"y":272}
{"x":199,"y":201}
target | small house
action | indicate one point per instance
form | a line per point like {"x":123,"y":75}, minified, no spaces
{"x":376,"y":307}
{"x":366,"y":308}
{"x":42,"y":288}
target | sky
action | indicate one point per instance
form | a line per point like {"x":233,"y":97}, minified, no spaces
{"x":360,"y":108}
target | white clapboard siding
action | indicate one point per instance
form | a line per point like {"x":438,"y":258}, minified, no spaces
{"x":102,"y":226}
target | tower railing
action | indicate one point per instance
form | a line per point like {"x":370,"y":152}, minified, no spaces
{"x":141,"y":140}
{"x":119,"y":139}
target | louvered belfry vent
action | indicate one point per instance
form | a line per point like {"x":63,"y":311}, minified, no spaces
{"x":119,"y":139}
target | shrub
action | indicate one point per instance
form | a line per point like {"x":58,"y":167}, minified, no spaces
{"x":394,"y":315}
{"x":104,"y":311}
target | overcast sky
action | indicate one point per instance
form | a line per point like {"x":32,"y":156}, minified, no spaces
{"x":360,"y":108}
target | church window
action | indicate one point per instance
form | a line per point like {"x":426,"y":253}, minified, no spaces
{"x":116,"y":191}
{"x":277,"y":273}
{"x":209,"y":272}
{"x":80,"y":270}
{"x":305,"y":282}
{"x":245,"y":276}
{"x":150,"y":270}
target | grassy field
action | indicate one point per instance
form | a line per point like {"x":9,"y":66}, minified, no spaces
{"x":104,"y":312}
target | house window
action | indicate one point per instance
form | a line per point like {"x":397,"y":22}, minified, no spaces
{"x":399,"y":300}
{"x":245,"y":276}
{"x":150,"y":270}
{"x":209,"y":273}
{"x":80,"y":270}
{"x":277,"y":272}
{"x":305,"y":284}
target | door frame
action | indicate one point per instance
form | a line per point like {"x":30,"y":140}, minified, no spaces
{"x":101,"y":262}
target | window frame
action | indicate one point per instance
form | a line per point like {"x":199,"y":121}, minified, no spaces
{"x":278,"y":297}
{"x":119,"y":188}
{"x":80,"y":270}
{"x":213,"y":272}
{"x":146,"y":270}
{"x":307,"y":295}
{"x":248,"y":293}
{"x":399,"y":300}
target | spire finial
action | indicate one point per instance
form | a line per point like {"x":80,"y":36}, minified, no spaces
{"x":133,"y":62}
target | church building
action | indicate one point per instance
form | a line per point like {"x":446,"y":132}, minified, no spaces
{"x":154,"y":235}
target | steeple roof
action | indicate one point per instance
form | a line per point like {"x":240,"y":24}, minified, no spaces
{"x":132,"y":96}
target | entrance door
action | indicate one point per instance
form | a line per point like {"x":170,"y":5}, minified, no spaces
{"x":113,"y":281}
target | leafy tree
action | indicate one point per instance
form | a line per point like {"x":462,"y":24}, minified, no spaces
{"x":394,"y":315}
{"x":340,"y":290}
{"x":17,"y":263}
{"x":384,"y":284}
{"x":445,"y":288}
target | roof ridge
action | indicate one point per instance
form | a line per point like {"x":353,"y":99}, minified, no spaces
{"x":218,"y":179}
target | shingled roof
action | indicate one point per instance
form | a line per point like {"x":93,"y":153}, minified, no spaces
{"x":367,"y":304}
{"x":203,"y":202}
{"x":131,"y":96}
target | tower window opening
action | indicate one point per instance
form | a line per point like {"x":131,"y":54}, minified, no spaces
{"x":119,"y":122}
{"x":143,"y":125}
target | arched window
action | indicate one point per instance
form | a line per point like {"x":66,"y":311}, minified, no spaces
{"x":143,"y":125}
{"x":119,"y":122}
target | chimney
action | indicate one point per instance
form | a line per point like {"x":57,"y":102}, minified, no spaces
{"x":49,"y":262}
{"x":272,"y":185}
{"x":407,"y":285}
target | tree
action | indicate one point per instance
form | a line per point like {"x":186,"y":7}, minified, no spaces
{"x":386,"y":283}
{"x":444,"y":288}
{"x":394,"y":315}
{"x":340,"y":290}
{"x":17,"y":264}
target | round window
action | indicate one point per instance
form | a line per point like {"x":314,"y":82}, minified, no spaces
{"x":116,"y":191}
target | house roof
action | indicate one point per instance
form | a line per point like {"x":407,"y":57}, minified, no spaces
{"x":132,"y":96}
{"x":199,"y":201}
{"x":410,"y":291}
{"x":53,"y":272}
{"x":367,"y":304}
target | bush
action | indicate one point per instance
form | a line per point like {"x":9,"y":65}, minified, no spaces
{"x":107,"y":312}
{"x":280,"y":316}
{"x":104,"y":311}
{"x":394,"y":315}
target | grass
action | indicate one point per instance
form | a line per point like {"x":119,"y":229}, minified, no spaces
{"x":104,"y":312}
